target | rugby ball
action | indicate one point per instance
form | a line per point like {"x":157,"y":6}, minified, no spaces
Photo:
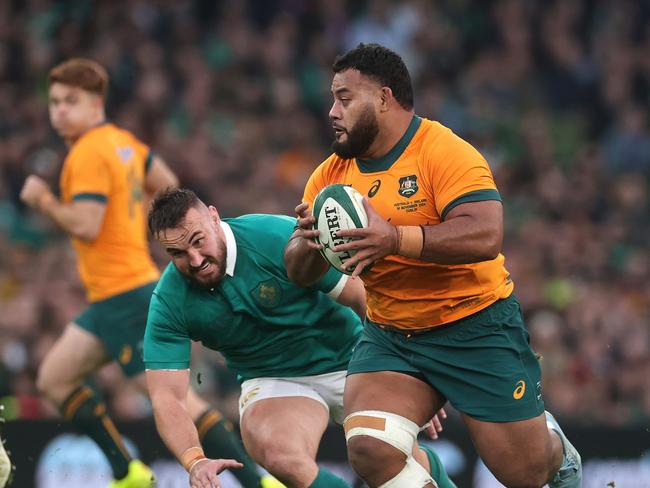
{"x":338,"y":207}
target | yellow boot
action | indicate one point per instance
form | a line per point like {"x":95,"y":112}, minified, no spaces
{"x":139,"y":476}
{"x":269,"y":481}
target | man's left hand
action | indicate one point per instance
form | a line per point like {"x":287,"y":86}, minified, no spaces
{"x":33,"y":191}
{"x":435,"y":424}
{"x":377,"y":240}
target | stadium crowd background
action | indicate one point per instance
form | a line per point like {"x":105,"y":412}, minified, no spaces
{"x":234,"y":95}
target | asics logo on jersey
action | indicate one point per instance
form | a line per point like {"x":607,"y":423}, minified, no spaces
{"x":374,"y":188}
{"x":519,"y":390}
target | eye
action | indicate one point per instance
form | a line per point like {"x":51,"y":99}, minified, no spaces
{"x":198,"y":242}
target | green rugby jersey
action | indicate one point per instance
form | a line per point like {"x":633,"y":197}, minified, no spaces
{"x":263,"y":324}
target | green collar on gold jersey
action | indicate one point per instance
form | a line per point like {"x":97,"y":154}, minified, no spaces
{"x":385,"y":162}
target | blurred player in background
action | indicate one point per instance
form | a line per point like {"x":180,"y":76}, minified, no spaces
{"x":5,"y":466}
{"x":5,"y":462}
{"x":443,"y":323}
{"x":107,"y":175}
{"x":227,"y":287}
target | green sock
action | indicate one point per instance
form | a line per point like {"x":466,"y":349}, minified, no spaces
{"x":219,"y":441}
{"x":437,"y":469}
{"x":88,"y":413}
{"x":325,"y":479}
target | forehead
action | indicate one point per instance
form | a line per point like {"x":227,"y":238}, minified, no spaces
{"x":352,"y":80}
{"x":60,"y":90}
{"x":193,"y":222}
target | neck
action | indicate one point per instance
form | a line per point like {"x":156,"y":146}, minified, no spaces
{"x":96,"y":121}
{"x":389,"y":134}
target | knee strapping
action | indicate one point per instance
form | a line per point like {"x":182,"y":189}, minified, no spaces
{"x":413,"y":475}
{"x":397,"y":431}
{"x":390,"y":428}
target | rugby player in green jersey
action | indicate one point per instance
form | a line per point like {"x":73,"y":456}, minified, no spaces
{"x":227,"y":288}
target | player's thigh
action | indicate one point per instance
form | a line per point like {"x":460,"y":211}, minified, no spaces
{"x":483,"y":364}
{"x":512,"y":450}
{"x":391,"y":391}
{"x":293,"y":425}
{"x":381,"y":376}
{"x":74,"y":355}
{"x":140,"y":382}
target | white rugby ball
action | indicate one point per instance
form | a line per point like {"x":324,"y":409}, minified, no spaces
{"x":338,"y":207}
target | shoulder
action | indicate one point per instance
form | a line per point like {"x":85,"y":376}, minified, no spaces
{"x":92,"y":143}
{"x":256,"y":229}
{"x":122,"y":135}
{"x":432,"y":134}
{"x":437,"y":137}
{"x":172,"y":286}
{"x":332,"y":170}
{"x":333,"y":166}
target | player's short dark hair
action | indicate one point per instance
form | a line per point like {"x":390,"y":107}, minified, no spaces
{"x":81,"y":73}
{"x":381,"y":64}
{"x":169,"y":207}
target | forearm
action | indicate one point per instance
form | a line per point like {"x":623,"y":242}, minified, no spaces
{"x":65,"y":216}
{"x":461,"y":240}
{"x":174,"y":424}
{"x":305,"y":265}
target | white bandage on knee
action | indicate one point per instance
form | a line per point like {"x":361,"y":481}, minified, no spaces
{"x":412,"y":476}
{"x":393,"y":429}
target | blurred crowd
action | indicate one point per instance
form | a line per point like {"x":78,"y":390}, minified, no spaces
{"x":234,"y":96}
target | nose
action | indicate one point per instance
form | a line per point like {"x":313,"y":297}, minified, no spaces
{"x":196,"y":259}
{"x":335,"y":113}
{"x":59,"y":113}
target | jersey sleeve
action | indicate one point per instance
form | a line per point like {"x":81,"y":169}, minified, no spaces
{"x":89,"y":175}
{"x":331,"y":283}
{"x":167,"y":344}
{"x":143,"y":152}
{"x":459,"y":174}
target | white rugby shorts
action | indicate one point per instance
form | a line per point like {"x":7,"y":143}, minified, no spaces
{"x":324,"y":388}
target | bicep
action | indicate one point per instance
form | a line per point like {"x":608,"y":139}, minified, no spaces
{"x":489,"y":212}
{"x":175,"y":383}
{"x":483,"y":221}
{"x":353,"y":295}
{"x":89,"y":216}
{"x":167,"y":345}
{"x":159,"y":176}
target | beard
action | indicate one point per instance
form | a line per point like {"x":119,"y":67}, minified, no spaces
{"x":217,"y":268}
{"x":360,"y":136}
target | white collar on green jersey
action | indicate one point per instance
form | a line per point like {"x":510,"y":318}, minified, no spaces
{"x":231,"y":249}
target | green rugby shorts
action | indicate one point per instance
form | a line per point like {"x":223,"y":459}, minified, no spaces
{"x":483,"y":364}
{"x":119,"y":322}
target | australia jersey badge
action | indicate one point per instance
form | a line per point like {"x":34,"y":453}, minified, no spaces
{"x":268,"y":293}
{"x":125,"y":153}
{"x":408,"y":186}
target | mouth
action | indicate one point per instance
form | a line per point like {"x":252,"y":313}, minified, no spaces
{"x":338,"y":131}
{"x":204,"y":266}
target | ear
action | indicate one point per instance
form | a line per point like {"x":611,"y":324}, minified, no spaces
{"x":98,"y":101}
{"x":386,"y":98}
{"x":214,"y":214}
